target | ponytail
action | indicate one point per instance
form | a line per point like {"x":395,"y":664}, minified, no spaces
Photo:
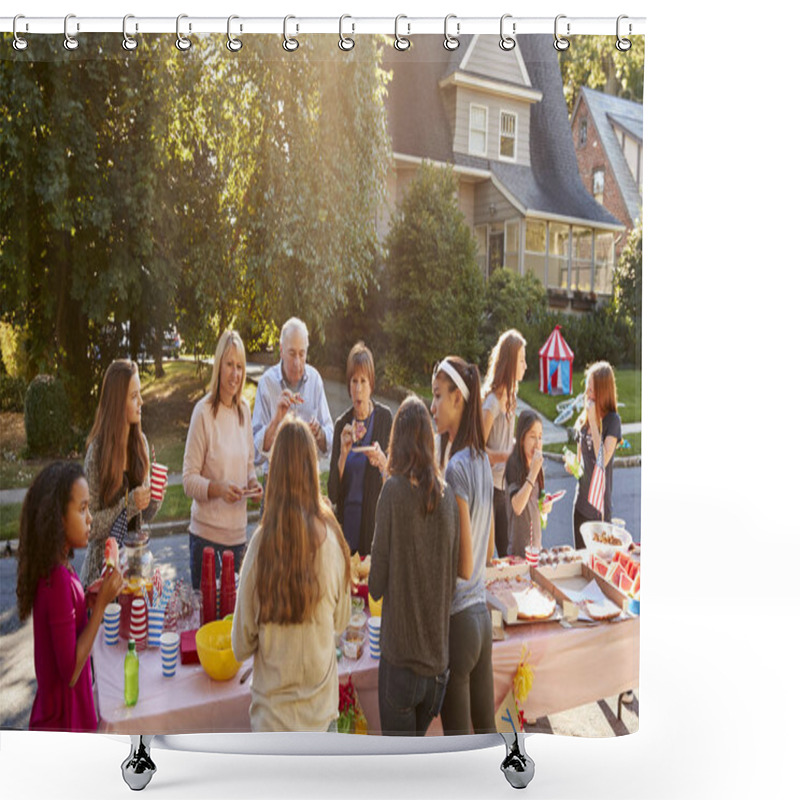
{"x":470,"y":429}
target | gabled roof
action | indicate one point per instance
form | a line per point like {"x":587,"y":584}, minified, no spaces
{"x":606,"y":112}
{"x":419,"y":127}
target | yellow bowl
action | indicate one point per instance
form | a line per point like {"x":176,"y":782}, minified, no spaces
{"x":375,"y":606}
{"x":214,"y":650}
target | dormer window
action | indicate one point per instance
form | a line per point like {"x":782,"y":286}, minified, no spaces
{"x":508,"y":136}
{"x":478,"y":129}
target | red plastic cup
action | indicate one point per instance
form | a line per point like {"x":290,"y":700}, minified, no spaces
{"x":158,"y":481}
{"x":208,"y":585}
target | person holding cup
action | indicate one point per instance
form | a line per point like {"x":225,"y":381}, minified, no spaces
{"x":117,"y":464}
{"x":218,"y":463}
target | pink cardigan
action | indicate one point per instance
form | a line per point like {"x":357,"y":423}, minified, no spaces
{"x":218,"y":448}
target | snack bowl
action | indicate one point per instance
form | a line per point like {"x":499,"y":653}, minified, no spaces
{"x":352,"y":643}
{"x":214,"y":650}
{"x":605,"y":549}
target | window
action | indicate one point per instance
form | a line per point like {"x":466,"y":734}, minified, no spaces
{"x":508,"y":135}
{"x":603,"y":261}
{"x":582,"y":255}
{"x":583,"y":130}
{"x":598,"y":184}
{"x":512,"y":246}
{"x":558,"y":256}
{"x":536,"y":248}
{"x":478,"y":127}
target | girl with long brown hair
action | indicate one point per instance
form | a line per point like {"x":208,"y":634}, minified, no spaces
{"x":117,"y":465}
{"x":598,"y":429}
{"x":414,"y":569}
{"x":294,"y":594}
{"x":456,"y":410}
{"x":507,"y":367}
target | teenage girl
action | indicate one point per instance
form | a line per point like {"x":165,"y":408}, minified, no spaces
{"x":507,"y":367}
{"x":456,"y":409}
{"x":598,"y":423}
{"x":56,"y":521}
{"x":117,"y":464}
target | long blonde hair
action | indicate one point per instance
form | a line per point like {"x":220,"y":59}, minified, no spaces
{"x":228,"y":339}
{"x":113,"y":435}
{"x":502,"y":370}
{"x":287,"y":579}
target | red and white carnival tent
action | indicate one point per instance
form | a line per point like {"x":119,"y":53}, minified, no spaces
{"x":555,"y":365}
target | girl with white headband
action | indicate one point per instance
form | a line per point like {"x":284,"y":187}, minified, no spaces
{"x":456,"y":409}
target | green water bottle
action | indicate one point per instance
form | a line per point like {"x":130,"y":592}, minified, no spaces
{"x":131,"y":675}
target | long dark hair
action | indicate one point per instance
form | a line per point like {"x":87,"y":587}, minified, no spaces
{"x":502,"y":370}
{"x":41,"y":528}
{"x":516,"y":466}
{"x":470,"y":429}
{"x":411,"y":451}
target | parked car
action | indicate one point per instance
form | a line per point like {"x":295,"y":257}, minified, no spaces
{"x":171,"y":343}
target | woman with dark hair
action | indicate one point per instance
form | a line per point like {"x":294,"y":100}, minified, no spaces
{"x":524,"y":479}
{"x":55,"y":521}
{"x":360,"y":439}
{"x":294,"y":594}
{"x":507,"y":367}
{"x":456,"y":409}
{"x":414,"y":567}
{"x":117,"y":464}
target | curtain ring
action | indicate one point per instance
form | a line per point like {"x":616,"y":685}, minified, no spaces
{"x":400,"y":42}
{"x":290,"y":44}
{"x":128,"y":42}
{"x":451,"y":42}
{"x":182,"y":43}
{"x":70,"y":42}
{"x":233,"y":44}
{"x":345,"y":42}
{"x":623,"y":45}
{"x":18,"y":43}
{"x":507,"y":42}
{"x":559,"y":42}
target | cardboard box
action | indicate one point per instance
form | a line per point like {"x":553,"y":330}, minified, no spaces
{"x":507,"y":568}
{"x":575,"y":576}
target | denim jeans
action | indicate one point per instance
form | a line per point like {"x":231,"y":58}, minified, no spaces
{"x":196,"y":546}
{"x":408,"y":701}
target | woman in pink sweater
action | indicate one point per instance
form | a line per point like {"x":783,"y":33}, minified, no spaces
{"x":218,"y":470}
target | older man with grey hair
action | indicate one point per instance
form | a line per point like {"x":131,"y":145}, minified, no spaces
{"x":291,"y":386}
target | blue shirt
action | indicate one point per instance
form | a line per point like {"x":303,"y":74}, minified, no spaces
{"x":470,"y":476}
{"x":315,"y":404}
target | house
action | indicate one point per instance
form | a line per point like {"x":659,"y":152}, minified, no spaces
{"x":499,"y":117}
{"x":607,"y":133}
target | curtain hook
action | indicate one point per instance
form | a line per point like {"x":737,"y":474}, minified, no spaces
{"x":290,"y":44}
{"x":507,"y":42}
{"x":233,"y":44}
{"x":128,"y":42}
{"x":559,"y":42}
{"x":451,"y":42}
{"x":182,"y":43}
{"x":19,"y":43}
{"x":70,"y":42}
{"x":346,"y":42}
{"x":623,"y":45}
{"x":400,"y":42}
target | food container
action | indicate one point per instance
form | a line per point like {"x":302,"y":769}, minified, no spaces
{"x":604,"y":539}
{"x":352,"y":643}
{"x":215,"y":651}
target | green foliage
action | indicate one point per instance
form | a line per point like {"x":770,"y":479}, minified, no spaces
{"x":434,"y":287}
{"x":47,"y":428}
{"x":628,"y":285}
{"x":12,"y":393}
{"x":11,"y":350}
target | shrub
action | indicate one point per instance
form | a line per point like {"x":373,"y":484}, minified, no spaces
{"x":47,"y":428}
{"x":12,"y":393}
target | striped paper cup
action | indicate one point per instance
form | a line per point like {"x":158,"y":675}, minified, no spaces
{"x":158,"y":481}
{"x":532,"y":556}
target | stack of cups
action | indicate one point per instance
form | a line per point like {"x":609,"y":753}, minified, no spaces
{"x":155,"y":626}
{"x":158,"y":481}
{"x":227,"y":586}
{"x":532,"y":556}
{"x":208,"y":585}
{"x":138,"y":630}
{"x":374,"y":628}
{"x":111,"y":617}
{"x":169,"y":653}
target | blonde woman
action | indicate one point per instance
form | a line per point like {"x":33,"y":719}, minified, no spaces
{"x":294,"y":594}
{"x":507,"y":367}
{"x":117,"y":465}
{"x":218,"y":469}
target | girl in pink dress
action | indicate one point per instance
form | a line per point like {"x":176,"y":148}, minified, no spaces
{"x":56,"y":520}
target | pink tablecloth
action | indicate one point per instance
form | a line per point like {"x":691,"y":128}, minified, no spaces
{"x":572,"y":666}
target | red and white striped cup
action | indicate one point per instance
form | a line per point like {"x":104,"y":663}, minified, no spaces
{"x":532,"y":556}
{"x":158,"y":481}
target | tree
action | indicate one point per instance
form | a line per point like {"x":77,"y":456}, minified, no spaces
{"x":628,"y":284}
{"x":594,"y":61}
{"x":434,"y":286}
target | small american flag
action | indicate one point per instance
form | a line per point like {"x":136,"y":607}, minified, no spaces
{"x":597,"y":486}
